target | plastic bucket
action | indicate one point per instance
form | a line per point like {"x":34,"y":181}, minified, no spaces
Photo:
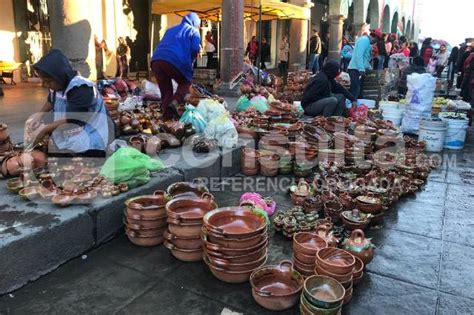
{"x":433,"y":132}
{"x":393,"y":115}
{"x":456,"y":133}
{"x":368,"y":103}
{"x":384,"y":105}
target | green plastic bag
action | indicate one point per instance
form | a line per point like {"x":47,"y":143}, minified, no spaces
{"x":243,"y":103}
{"x":128,"y":165}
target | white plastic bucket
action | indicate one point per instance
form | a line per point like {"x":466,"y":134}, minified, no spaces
{"x":433,"y":132}
{"x":383,"y":105}
{"x":456,"y":133}
{"x":368,"y":103}
{"x":394,"y":115}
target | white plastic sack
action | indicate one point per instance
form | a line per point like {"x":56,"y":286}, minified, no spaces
{"x":149,"y":87}
{"x":223,"y":130}
{"x":421,"y":89}
{"x":210,"y":109}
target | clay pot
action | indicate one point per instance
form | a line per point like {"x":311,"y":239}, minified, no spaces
{"x":184,"y":230}
{"x":183,"y":243}
{"x":346,"y":201}
{"x":138,"y":223}
{"x":308,"y":243}
{"x":360,"y":246}
{"x":234,"y":243}
{"x":278,"y":287}
{"x":335,"y":260}
{"x":190,"y":210}
{"x":313,"y":204}
{"x":179,"y":189}
{"x":168,"y":140}
{"x":302,"y":192}
{"x":369,"y":204}
{"x":175,"y":128}
{"x":29,"y":193}
{"x":224,"y":264}
{"x":230,"y":276}
{"x":341,"y":278}
{"x":306,"y":268}
{"x":358,"y":267}
{"x":234,"y":222}
{"x":354,"y":219}
{"x":242,"y":259}
{"x":235,"y":251}
{"x":325,"y":223}
{"x":146,"y":207}
{"x":269,"y":165}
{"x":246,"y":133}
{"x":62,"y":200}
{"x":4,"y":134}
{"x":146,"y":241}
{"x":323,"y":292}
{"x":186,"y":255}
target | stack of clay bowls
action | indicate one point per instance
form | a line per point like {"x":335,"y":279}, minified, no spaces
{"x":305,"y":247}
{"x":321,"y":295}
{"x":235,"y":243}
{"x":339,"y":265}
{"x":185,"y":219}
{"x":145,"y":219}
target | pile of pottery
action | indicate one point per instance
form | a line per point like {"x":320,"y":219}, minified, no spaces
{"x":322,"y":295}
{"x":185,"y":220}
{"x":305,"y":247}
{"x":296,"y":82}
{"x":294,"y":220}
{"x":235,"y":243}
{"x":145,"y":219}
{"x":276,"y":288}
{"x":339,"y":265}
{"x":5,"y":142}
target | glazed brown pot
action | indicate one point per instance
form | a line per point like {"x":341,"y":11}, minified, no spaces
{"x":190,"y":210}
{"x":305,"y":259}
{"x":313,"y":204}
{"x":358,"y":268}
{"x":184,"y":230}
{"x":234,"y":251}
{"x":253,"y":256}
{"x":225,"y":264}
{"x":146,"y":241}
{"x":369,"y":204}
{"x":341,"y":278}
{"x":335,"y":260}
{"x":139,"y":224}
{"x":234,"y":243}
{"x":196,"y":188}
{"x":183,"y":243}
{"x":234,"y":222}
{"x":186,"y":255}
{"x":359,"y":246}
{"x":346,"y":200}
{"x":147,"y":207}
{"x":305,"y":273}
{"x":230,"y":276}
{"x":278,"y":287}
{"x":147,"y":232}
{"x":306,"y":268}
{"x":308,"y":243}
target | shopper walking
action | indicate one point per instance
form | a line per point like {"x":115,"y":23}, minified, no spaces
{"x":173,"y":60}
{"x":210,"y":48}
{"x":441,"y":60}
{"x":123,"y":58}
{"x":315,"y":49}
{"x":323,"y":95}
{"x":252,"y":50}
{"x":360,"y":61}
{"x":346,"y":54}
{"x":284,"y":55}
{"x":452,"y":65}
{"x":265,"y":54}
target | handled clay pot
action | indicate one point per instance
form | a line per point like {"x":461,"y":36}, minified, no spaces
{"x":190,"y":189}
{"x":138,"y":223}
{"x":360,"y":246}
{"x":335,"y":260}
{"x":326,"y":235}
{"x":300,"y":194}
{"x":190,"y":210}
{"x":147,"y":207}
{"x":186,"y":255}
{"x":233,"y":243}
{"x":188,"y":243}
{"x":308,"y":244}
{"x":224,"y":264}
{"x":140,"y":240}
{"x":276,"y":287}
{"x":184,"y":230}
{"x":235,"y":251}
{"x":230,"y":276}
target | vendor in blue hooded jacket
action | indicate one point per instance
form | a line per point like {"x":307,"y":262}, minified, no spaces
{"x":173,"y":59}
{"x":74,"y":110}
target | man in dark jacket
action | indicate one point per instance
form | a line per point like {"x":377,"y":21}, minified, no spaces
{"x":324,"y":96}
{"x":173,"y":60}
{"x":418,"y":66}
{"x":315,"y":52}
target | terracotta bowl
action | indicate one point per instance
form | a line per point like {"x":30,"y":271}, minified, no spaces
{"x":147,"y":207}
{"x":235,"y":251}
{"x":341,"y":278}
{"x":184,"y":230}
{"x":253,"y":256}
{"x":308,"y":243}
{"x":187,"y":243}
{"x":306,"y":259}
{"x":306,"y":308}
{"x":358,"y":280}
{"x":323,"y":292}
{"x":186,"y":255}
{"x":278,"y":287}
{"x":335,"y":260}
{"x":186,"y":188}
{"x":301,"y":265}
{"x":358,"y":267}
{"x":234,"y":222}
{"x":233,"y":243}
{"x":230,"y":276}
{"x":145,"y":224}
{"x":305,"y":273}
{"x":369,"y":204}
{"x":190,"y":210}
{"x":225,"y":264}
{"x":145,"y":241}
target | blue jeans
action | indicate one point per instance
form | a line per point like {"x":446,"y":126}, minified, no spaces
{"x":313,"y":63}
{"x":355,"y":82}
{"x":381,"y":62}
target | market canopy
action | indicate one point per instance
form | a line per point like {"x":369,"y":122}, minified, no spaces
{"x":211,"y":9}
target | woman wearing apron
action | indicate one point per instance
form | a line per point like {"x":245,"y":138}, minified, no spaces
{"x":78,"y":124}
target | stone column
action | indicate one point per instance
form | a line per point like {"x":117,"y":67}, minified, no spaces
{"x":232,"y":43}
{"x":298,"y":38}
{"x":72,"y":30}
{"x":335,"y":36}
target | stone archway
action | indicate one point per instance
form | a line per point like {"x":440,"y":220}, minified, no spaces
{"x":386,"y":19}
{"x":412,"y":32}
{"x":373,"y":16}
{"x":394,"y":23}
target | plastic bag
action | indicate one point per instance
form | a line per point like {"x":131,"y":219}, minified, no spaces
{"x":242,"y":103}
{"x":210,"y":109}
{"x":151,"y":88}
{"x":223,"y":130}
{"x":130,"y":166}
{"x":260,"y":103}
{"x":194,"y":117}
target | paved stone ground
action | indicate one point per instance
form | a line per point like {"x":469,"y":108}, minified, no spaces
{"x":423,"y":262}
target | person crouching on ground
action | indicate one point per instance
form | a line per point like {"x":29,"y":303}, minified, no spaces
{"x":173,"y":60}
{"x":79,"y":124}
{"x":324,"y":96}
